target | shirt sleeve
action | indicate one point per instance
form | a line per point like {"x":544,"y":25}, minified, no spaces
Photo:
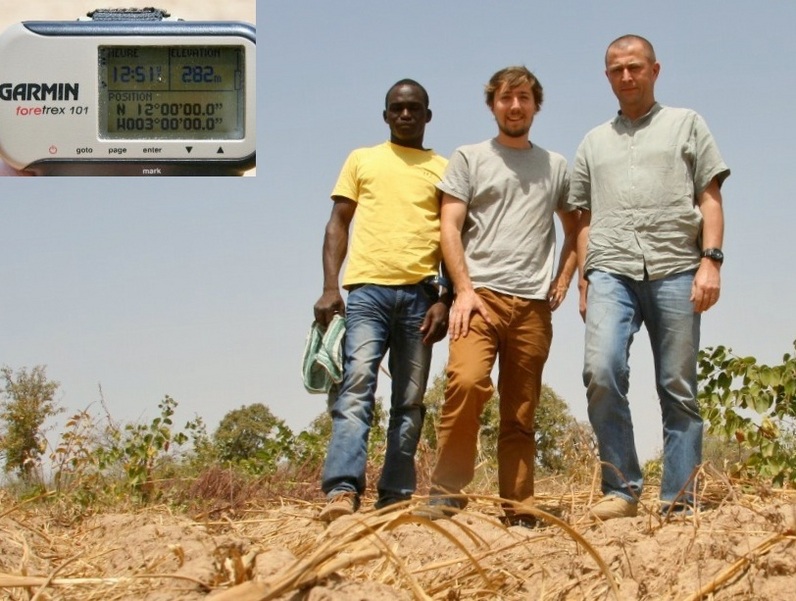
{"x":580,"y":181}
{"x":456,"y":179}
{"x":709,"y":163}
{"x":562,"y":202}
{"x":347,"y":184}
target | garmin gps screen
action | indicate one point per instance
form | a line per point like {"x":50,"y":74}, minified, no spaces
{"x":171,"y":92}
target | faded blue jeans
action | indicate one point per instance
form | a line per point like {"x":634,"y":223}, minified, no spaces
{"x":616,"y":308}
{"x":379,"y":318}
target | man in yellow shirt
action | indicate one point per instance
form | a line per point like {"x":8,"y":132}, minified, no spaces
{"x":393,"y":301}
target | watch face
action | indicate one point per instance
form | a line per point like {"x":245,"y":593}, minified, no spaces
{"x":714,"y":253}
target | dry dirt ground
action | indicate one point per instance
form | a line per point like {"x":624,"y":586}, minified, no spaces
{"x":740,"y":547}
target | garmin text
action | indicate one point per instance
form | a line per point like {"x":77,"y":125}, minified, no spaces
{"x":39,"y":91}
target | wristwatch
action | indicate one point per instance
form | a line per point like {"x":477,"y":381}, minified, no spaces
{"x":714,"y":254}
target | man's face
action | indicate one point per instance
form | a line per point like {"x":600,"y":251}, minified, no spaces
{"x":632,"y":75}
{"x":514,"y":109}
{"x":406,"y":114}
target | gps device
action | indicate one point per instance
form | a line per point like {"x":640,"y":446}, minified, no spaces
{"x":128,"y":92}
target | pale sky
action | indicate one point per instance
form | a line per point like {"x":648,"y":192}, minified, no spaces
{"x":202,"y":288}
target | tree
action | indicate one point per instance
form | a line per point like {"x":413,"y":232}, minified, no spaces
{"x":558,"y":434}
{"x":28,"y":400}
{"x":309,"y":447}
{"x":254,"y":438}
{"x":563,"y":444}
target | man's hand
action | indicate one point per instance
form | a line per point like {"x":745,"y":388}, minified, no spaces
{"x":335,"y":247}
{"x":466,"y":303}
{"x":707,"y":281}
{"x":435,"y":324}
{"x":706,"y":288}
{"x":330,"y":303}
{"x":583,"y":289}
{"x":557,"y":293}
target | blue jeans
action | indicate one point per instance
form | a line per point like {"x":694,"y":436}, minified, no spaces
{"x":616,"y":308}
{"x":380,"y":318}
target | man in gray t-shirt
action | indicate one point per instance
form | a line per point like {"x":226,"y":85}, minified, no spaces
{"x":498,"y":243}
{"x":649,"y":250}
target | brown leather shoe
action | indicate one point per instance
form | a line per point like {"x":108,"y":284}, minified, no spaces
{"x":344,"y":503}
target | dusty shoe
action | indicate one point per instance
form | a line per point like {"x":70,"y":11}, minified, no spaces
{"x":677,"y":510}
{"x":344,"y":503}
{"x":525,"y":521}
{"x":612,"y":506}
{"x":391,"y":501}
{"x":438,"y":508}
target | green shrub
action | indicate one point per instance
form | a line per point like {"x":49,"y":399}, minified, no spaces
{"x":753,"y":406}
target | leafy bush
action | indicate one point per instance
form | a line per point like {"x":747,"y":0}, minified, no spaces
{"x":141,"y":448}
{"x":97,"y":461}
{"x":75,"y":459}
{"x":754,"y":406}
{"x":28,"y":402}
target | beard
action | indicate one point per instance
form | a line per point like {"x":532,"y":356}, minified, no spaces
{"x":515,"y":131}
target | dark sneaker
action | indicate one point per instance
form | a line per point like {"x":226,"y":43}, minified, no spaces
{"x":387,"y":501}
{"x":344,"y":503}
{"x":676,"y":510}
{"x":438,"y":508}
{"x":524,"y":521}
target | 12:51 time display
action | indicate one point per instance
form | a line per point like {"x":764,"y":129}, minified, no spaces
{"x":126,"y":74}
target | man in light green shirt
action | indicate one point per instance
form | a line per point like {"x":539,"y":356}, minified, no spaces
{"x":649,"y":251}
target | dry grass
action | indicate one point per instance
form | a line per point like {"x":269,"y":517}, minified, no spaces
{"x":739,"y":547}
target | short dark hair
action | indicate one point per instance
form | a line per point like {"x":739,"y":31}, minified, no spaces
{"x":513,"y":77}
{"x":628,"y":38}
{"x":406,"y":82}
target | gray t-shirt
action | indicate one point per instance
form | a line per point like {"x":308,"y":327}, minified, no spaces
{"x":508,"y":234}
{"x":640,"y":180}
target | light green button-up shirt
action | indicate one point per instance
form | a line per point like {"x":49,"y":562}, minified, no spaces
{"x":641,"y":180}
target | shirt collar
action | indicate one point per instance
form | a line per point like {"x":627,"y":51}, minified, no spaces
{"x":643,"y":120}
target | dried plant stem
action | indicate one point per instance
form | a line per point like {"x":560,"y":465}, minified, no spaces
{"x":11,"y":580}
{"x":274,"y":587}
{"x":52,"y":576}
{"x":738,"y":567}
{"x":26,"y":502}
